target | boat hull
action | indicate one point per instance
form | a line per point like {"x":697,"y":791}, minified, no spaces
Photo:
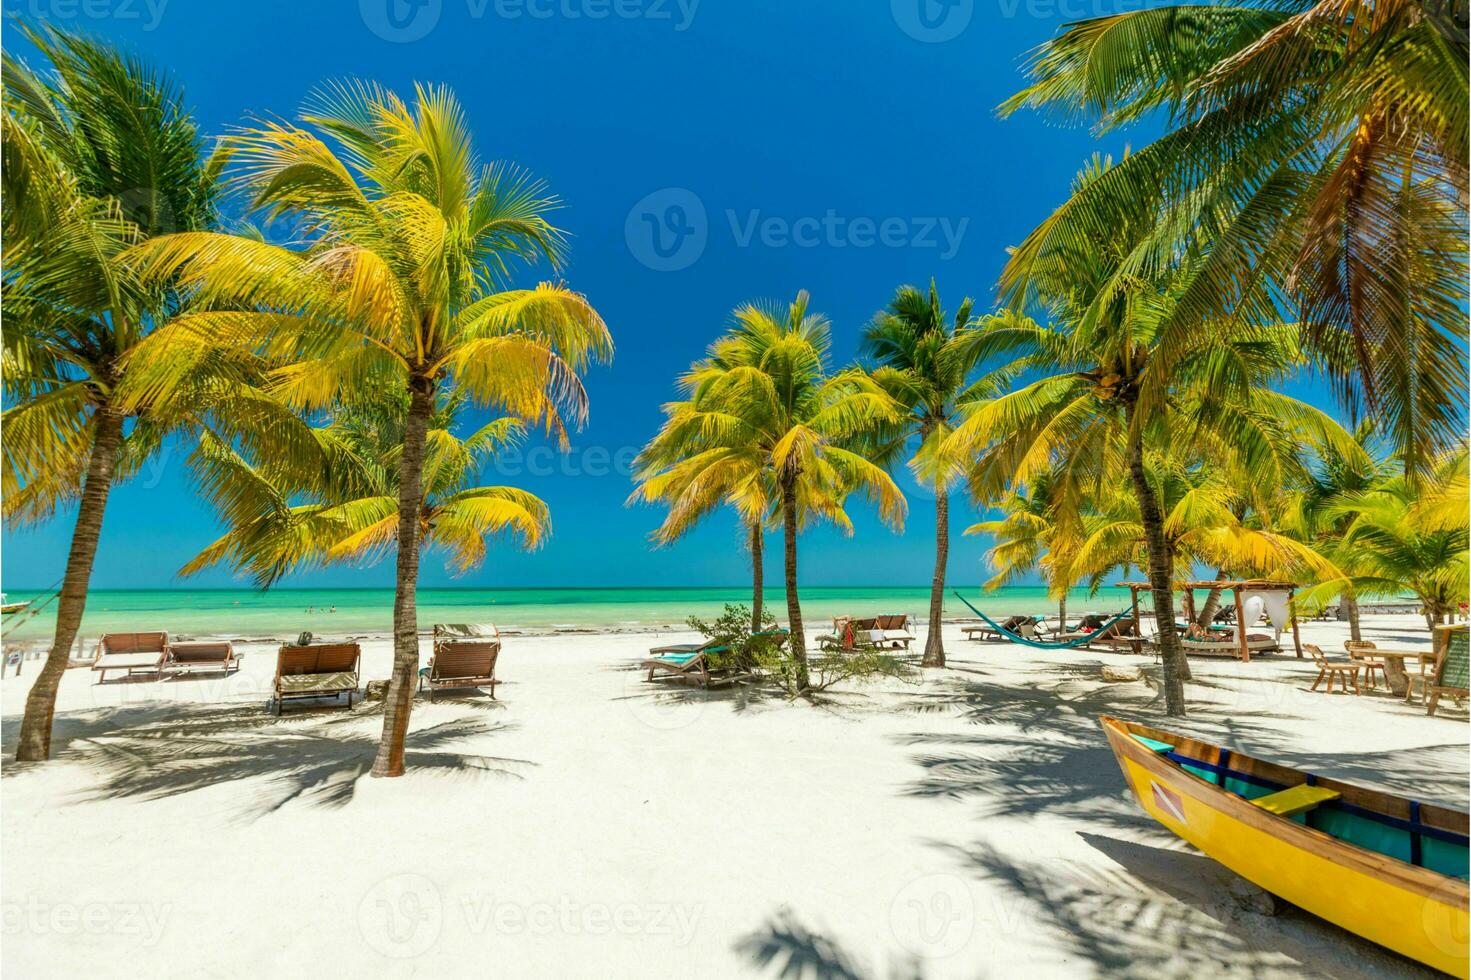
{"x":1414,"y":911}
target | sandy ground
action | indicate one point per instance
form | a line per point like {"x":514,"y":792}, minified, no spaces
{"x":591,"y":824}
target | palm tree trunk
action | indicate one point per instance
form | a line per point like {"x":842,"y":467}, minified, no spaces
{"x":1212,"y":603}
{"x":1350,"y":604}
{"x":34,"y":741}
{"x":796,"y":641}
{"x":1062,"y":613}
{"x":1182,"y":665}
{"x":400,"y":697}
{"x":1161,"y":568}
{"x":934,"y":646}
{"x":758,"y":578}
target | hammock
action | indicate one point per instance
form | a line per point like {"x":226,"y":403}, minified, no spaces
{"x":1039,"y":644}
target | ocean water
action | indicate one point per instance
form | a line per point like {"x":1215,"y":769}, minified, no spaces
{"x":330,"y":612}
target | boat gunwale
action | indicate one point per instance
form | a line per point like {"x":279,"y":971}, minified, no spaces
{"x":1420,"y":880}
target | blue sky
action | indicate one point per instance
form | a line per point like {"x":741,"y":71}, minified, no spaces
{"x":841,"y":146}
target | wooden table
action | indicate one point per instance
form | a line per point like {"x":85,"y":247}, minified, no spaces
{"x":1394,"y":665}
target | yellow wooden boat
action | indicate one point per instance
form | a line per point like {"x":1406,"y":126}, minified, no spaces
{"x":1389,"y":869}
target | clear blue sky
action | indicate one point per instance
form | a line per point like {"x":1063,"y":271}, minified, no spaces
{"x":864,"y":128}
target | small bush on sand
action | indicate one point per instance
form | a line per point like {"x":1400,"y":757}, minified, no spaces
{"x":745,"y":649}
{"x":763,"y":652}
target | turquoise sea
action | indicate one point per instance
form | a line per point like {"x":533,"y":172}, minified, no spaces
{"x":327,"y":612}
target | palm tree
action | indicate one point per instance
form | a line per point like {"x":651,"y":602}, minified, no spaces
{"x":408,"y":241}
{"x":1033,"y":533}
{"x":1206,"y":505}
{"x":682,"y":470}
{"x":97,"y":156}
{"x":1395,"y":549}
{"x":1337,"y":474}
{"x":924,"y":359}
{"x":1319,"y":149}
{"x":1123,"y":371}
{"x":336,"y":499}
{"x":766,"y":390}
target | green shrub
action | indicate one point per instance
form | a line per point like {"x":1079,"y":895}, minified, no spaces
{"x":745,"y":650}
{"x":764,"y":653}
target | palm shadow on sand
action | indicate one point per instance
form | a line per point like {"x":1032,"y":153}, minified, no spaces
{"x":309,"y":756}
{"x":1164,"y":910}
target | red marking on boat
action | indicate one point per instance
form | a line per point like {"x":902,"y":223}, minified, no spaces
{"x":1168,"y":801}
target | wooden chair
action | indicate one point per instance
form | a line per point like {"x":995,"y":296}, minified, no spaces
{"x":316,"y":671}
{"x":132,"y":653}
{"x":1331,"y":669}
{"x":685,"y":661}
{"x":1448,"y":674}
{"x":1363,"y":652}
{"x":185,"y":658}
{"x":851,"y":634}
{"x":461,"y":664}
{"x":895,"y":629}
{"x":839,"y":638}
{"x":1021,"y":625}
{"x":1119,"y":636}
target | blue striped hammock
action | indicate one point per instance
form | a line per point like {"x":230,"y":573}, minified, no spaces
{"x":1040,"y":644}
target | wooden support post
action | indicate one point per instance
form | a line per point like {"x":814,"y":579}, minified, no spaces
{"x":1241,"y":626}
{"x":1296,"y":633}
{"x":1134,"y":601}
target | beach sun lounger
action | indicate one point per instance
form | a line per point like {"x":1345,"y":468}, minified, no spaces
{"x":317,"y":671}
{"x":210,"y":656}
{"x":1229,"y":647}
{"x":132,"y":653}
{"x":848,"y":633}
{"x":683,"y":660}
{"x":461,"y":664}
{"x":895,"y":630}
{"x":466,"y":631}
{"x":690,"y":661}
{"x":1020,"y":625}
{"x":1119,"y":636}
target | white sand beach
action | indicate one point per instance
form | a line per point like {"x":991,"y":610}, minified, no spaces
{"x":588,"y":823}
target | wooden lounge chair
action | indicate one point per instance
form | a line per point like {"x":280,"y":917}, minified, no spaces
{"x":1363,"y":652}
{"x":316,"y":671}
{"x":686,"y":661}
{"x":895,"y":630}
{"x":885,"y":632}
{"x":210,"y":656}
{"x":1119,"y":636}
{"x":1448,"y":675}
{"x":461,"y":664}
{"x":143,"y":653}
{"x":1228,"y":646}
{"x":841,"y":636}
{"x":1021,"y":625}
{"x":466,"y":631}
{"x":1332,"y":669}
{"x":690,"y":662}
